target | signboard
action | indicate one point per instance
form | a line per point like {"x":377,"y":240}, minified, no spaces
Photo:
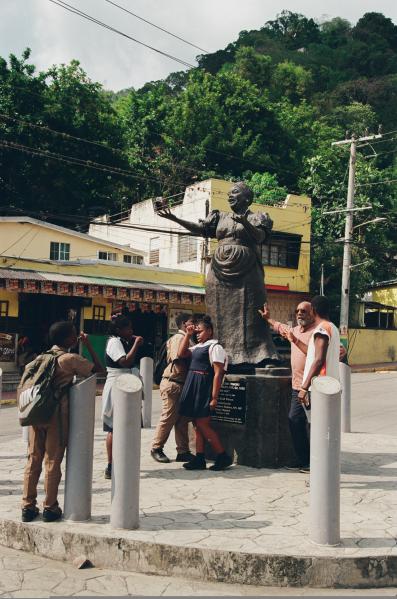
{"x":198,"y":299}
{"x":174,"y":297}
{"x":108,"y":292}
{"x":78,"y":289}
{"x":186,"y":298}
{"x":63,"y":288}
{"x":7,"y":347}
{"x":12,"y":284}
{"x":94,"y":290}
{"x":122,"y":293}
{"x":136,"y":294}
{"x":30,"y":286}
{"x":231,"y":402}
{"x":148,"y":295}
{"x":162,"y":296}
{"x":47,"y":287}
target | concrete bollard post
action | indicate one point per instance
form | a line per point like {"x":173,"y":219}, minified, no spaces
{"x":25,"y":434}
{"x":1,"y":385}
{"x":146,"y":370}
{"x":127,"y":402}
{"x":345,"y":380}
{"x":80,"y":451}
{"x":325,"y":461}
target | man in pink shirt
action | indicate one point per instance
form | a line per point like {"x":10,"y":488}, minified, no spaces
{"x":299,"y":336}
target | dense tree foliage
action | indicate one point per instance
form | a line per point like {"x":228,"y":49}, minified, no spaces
{"x":266,"y":108}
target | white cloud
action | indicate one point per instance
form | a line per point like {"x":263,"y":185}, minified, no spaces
{"x":56,"y":36}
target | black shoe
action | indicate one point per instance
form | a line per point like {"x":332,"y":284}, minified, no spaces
{"x":222,"y":462}
{"x":185,"y":457}
{"x":159,"y":456}
{"x":52,"y":515}
{"x":108,"y":472}
{"x":197,"y":463}
{"x":29,"y":513}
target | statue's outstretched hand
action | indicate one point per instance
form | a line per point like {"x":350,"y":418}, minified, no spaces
{"x":241,"y":218}
{"x":166,"y":213}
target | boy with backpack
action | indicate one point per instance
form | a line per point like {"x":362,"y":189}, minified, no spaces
{"x":173,"y":373}
{"x":43,"y":402}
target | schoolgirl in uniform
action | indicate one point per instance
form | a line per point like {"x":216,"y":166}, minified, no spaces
{"x":200,"y":392}
{"x":120,"y":357}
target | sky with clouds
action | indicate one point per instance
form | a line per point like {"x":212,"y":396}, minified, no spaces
{"x":56,"y":36}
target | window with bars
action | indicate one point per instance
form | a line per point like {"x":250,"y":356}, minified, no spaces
{"x":99,"y":313}
{"x":154,"y":251}
{"x":107,"y":256}
{"x":282,"y":251}
{"x":59,"y":251}
{"x":130,"y":259}
{"x":187,"y":248}
{"x":4,"y":309}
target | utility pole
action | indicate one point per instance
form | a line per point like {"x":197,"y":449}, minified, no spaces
{"x":345,"y":290}
{"x":322,"y":280}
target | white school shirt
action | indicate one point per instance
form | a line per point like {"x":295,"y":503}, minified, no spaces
{"x":115,"y":349}
{"x":216,"y":353}
{"x":331,"y":365}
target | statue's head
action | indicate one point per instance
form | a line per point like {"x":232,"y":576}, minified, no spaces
{"x":240,"y":197}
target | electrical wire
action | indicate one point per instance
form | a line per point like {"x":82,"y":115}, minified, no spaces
{"x":156,"y":26}
{"x":72,"y":9}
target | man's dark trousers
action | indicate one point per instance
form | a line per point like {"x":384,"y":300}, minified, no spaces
{"x":299,"y":430}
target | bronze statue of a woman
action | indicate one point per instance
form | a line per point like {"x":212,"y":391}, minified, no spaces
{"x":235,"y":287}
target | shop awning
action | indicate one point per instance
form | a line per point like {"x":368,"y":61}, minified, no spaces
{"x":28,"y":281}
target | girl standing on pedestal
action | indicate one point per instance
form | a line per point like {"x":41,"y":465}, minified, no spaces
{"x":200,"y":393}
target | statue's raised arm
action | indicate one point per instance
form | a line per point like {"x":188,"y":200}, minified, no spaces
{"x":196,"y":228}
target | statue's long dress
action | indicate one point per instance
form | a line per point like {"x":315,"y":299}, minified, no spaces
{"x":235,"y":288}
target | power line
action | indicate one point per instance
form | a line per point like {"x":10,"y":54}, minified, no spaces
{"x":72,"y":9}
{"x":156,"y":26}
{"x":384,"y":182}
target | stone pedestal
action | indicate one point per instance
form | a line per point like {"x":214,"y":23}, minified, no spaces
{"x":252,"y":418}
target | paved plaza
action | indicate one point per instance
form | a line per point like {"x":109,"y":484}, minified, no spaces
{"x":223,"y":526}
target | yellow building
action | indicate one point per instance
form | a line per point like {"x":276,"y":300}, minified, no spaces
{"x":374,"y":339}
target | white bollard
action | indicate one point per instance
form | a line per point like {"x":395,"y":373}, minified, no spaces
{"x":325,"y":439}
{"x":146,"y":370}
{"x":127,"y":401}
{"x":25,"y":434}
{"x":345,"y":380}
{"x":1,"y":385}
{"x":80,"y":451}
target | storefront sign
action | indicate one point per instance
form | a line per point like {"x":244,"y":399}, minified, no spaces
{"x":174,"y":297}
{"x":136,"y":294}
{"x":30,"y":286}
{"x":122,"y":293}
{"x":108,"y":292}
{"x":94,"y":290}
{"x":48,"y":287}
{"x":231,"y":402}
{"x":198,"y":299}
{"x":186,"y":298}
{"x":79,"y":289}
{"x":148,"y":295}
{"x":162,"y":296}
{"x":7,"y":347}
{"x":63,"y":289}
{"x":12,"y":284}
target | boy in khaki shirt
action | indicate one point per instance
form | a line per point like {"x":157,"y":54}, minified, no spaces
{"x":170,"y":390}
{"x":48,"y":440}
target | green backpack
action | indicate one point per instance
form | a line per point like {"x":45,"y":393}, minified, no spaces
{"x":37,"y":397}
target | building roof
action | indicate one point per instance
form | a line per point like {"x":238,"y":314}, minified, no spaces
{"x":32,"y":275}
{"x":66,"y":231}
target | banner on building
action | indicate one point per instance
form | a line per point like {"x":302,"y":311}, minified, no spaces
{"x":63,"y":288}
{"x":136,"y":295}
{"x":79,"y":289}
{"x":198,"y":299}
{"x":162,"y":296}
{"x":12,"y":284}
{"x":174,"y":297}
{"x":186,"y":298}
{"x":48,"y":287}
{"x":148,"y":295}
{"x":30,"y":286}
{"x":122,"y":293}
{"x":94,"y":290}
{"x":108,"y":292}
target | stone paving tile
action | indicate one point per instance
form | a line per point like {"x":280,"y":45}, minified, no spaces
{"x":266,"y":510}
